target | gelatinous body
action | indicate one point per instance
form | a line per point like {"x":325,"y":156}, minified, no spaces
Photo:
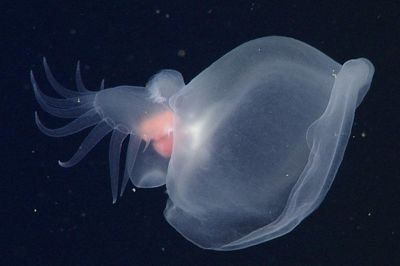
{"x":247,"y":149}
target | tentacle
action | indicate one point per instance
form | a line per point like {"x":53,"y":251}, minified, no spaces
{"x":114,"y":157}
{"x":132,"y":151}
{"x":57,"y":86}
{"x":147,"y":145}
{"x":63,"y":103}
{"x":59,"y":103}
{"x":86,"y":120}
{"x":102,"y":85}
{"x":97,"y":133}
{"x":57,"y":107}
{"x":78,"y":79}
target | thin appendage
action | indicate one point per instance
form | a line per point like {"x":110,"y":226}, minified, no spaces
{"x":117,"y":138}
{"x":132,"y":151}
{"x":102,"y":84}
{"x":56,"y":102}
{"x":78,"y":79}
{"x":65,"y":108}
{"x":58,"y":87}
{"x":146,"y":145}
{"x":97,"y":133}
{"x":88,"y":119}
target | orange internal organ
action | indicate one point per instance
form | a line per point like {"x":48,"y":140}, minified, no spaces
{"x":158,"y":130}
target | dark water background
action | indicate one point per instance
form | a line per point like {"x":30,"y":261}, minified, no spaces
{"x":56,"y":216}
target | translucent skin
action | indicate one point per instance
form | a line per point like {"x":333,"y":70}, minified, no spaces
{"x":260,"y":135}
{"x":158,"y":130}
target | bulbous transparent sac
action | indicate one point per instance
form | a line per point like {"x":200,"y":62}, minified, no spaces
{"x":258,"y":138}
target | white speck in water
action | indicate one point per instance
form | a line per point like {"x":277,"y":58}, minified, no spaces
{"x":181,"y":53}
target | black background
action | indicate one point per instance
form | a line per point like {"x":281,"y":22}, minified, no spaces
{"x":56,"y":216}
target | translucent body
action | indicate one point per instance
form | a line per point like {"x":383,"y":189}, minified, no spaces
{"x":257,"y":138}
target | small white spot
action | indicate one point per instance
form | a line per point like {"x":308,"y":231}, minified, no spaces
{"x":334,"y":74}
{"x":78,"y":100}
{"x":33,"y":151}
{"x":369,"y":214}
{"x":133,"y":189}
{"x":363,"y":134}
{"x":167,"y":16}
{"x":158,"y":11}
{"x":35,"y":210}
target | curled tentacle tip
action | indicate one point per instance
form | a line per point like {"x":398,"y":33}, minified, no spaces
{"x":62,"y":164}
